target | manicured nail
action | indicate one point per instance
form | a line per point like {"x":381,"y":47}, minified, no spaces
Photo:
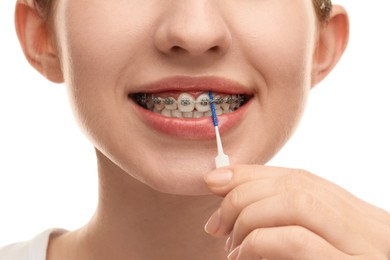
{"x":234,"y":254}
{"x":219,"y":177}
{"x":214,"y":222}
{"x":228,"y":244}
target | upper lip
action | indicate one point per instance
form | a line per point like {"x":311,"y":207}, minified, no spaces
{"x":191,"y":84}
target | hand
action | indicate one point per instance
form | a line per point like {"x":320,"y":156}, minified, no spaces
{"x":278,"y":213}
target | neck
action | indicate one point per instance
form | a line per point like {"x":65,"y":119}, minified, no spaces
{"x":135,"y":222}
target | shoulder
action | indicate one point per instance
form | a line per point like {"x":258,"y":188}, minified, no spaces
{"x":34,"y":249}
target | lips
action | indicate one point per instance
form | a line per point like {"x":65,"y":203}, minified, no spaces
{"x":187,"y":105}
{"x":180,"y":106}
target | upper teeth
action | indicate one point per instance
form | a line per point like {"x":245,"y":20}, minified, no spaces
{"x":203,"y":104}
{"x":187,"y":106}
{"x":186,"y":103}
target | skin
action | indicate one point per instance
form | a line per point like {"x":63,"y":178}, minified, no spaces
{"x":104,"y":49}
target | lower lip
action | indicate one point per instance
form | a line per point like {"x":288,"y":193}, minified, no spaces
{"x":196,"y":128}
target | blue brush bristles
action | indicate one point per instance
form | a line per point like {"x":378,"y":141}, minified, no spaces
{"x":214,"y":115}
{"x":222,"y":159}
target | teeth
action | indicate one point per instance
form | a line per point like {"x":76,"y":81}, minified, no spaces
{"x":225,"y":105}
{"x":188,"y":114}
{"x":166,"y":112}
{"x":218,"y":112}
{"x":233,"y":104}
{"x":176,"y":113}
{"x":228,"y":110}
{"x":217,"y":102}
{"x":187,"y":106}
{"x":155,"y":110}
{"x":159,"y":104}
{"x":170,"y":103}
{"x":185,"y":102}
{"x":202,"y":103}
{"x":198,"y":114}
{"x":148,"y":103}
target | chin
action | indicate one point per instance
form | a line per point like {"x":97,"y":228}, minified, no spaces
{"x":194,"y":186}
{"x":177,"y":181}
{"x":170,"y":172}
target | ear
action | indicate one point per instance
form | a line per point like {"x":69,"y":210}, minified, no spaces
{"x":37,"y":41}
{"x":332,"y":41}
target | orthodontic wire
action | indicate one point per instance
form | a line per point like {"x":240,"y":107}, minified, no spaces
{"x":143,"y":99}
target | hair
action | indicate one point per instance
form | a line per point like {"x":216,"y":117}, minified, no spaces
{"x":322,"y":8}
{"x":45,"y":8}
{"x":44,"y":5}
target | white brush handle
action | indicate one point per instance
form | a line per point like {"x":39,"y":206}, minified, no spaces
{"x":222,"y":159}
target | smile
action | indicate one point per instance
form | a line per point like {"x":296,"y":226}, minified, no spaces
{"x":186,"y":105}
{"x":180,"y":106}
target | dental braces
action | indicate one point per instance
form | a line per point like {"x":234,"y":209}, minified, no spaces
{"x":144,"y":99}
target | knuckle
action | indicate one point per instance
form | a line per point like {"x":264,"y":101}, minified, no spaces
{"x":256,"y":238}
{"x":243,"y":220}
{"x":297,"y":239}
{"x":233,"y":200}
{"x":253,"y":246}
{"x":295,"y":179}
{"x":303,"y":202}
{"x":245,"y":214}
{"x":294,"y":239}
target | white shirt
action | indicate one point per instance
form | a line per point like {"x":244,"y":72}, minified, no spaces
{"x":34,"y":249}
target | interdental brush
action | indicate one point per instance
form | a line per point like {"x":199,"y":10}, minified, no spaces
{"x":222,"y":159}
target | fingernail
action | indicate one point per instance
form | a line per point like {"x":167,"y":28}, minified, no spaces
{"x":228,"y":244}
{"x":219,"y":177}
{"x":234,"y":254}
{"x":212,"y":225}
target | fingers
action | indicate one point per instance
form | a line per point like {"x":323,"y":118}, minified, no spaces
{"x":302,"y":210}
{"x":222,"y":180}
{"x":244,"y":184}
{"x":288,"y":242}
{"x":263,"y":199}
{"x":297,"y":209}
{"x":228,"y":178}
{"x":250,"y":184}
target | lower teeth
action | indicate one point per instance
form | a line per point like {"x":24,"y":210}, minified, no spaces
{"x":186,"y":106}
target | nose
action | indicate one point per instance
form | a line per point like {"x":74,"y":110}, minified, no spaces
{"x":193,"y":27}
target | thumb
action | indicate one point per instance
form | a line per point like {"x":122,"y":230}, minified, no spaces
{"x":222,"y":180}
{"x":219,"y":180}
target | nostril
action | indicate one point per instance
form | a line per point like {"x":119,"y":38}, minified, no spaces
{"x":177,"y":49}
{"x":214,"y":49}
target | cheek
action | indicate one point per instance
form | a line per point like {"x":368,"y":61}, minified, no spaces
{"x":277,"y":40}
{"x":104,"y":38}
{"x":100,"y":42}
{"x":90,"y":41}
{"x":278,"y":48}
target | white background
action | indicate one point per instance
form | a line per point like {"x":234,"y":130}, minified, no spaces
{"x":47,"y":167}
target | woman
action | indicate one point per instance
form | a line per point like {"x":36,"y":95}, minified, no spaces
{"x":123,"y":63}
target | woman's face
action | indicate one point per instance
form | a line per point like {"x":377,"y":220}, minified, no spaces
{"x":112,"y":50}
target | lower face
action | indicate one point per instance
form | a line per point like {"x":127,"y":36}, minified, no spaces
{"x":137,"y":72}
